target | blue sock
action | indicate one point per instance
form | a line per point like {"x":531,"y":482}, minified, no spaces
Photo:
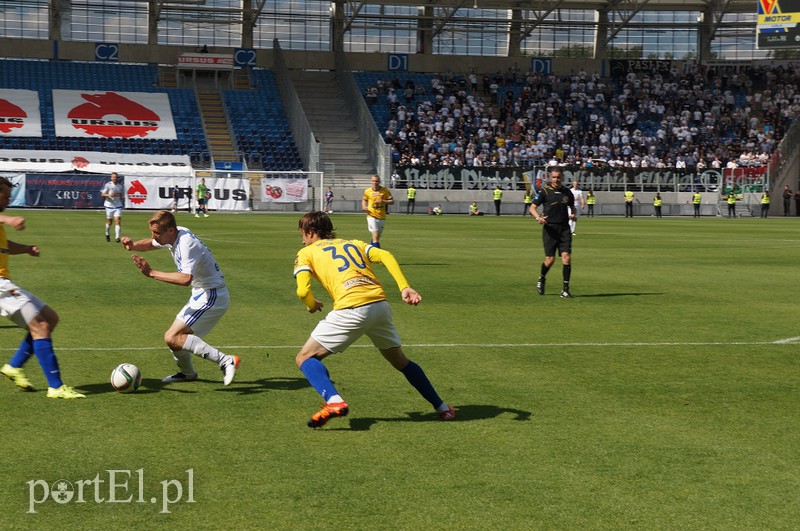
{"x":43,"y":348}
{"x":376,"y":244}
{"x":23,"y":353}
{"x":416,"y":377}
{"x":317,"y":375}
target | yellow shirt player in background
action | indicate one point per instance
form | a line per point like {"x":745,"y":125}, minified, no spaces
{"x":27,"y":311}
{"x":376,"y":198}
{"x":344,"y":268}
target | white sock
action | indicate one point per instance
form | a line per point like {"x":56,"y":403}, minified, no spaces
{"x":116,"y":231}
{"x":107,"y":230}
{"x":334,"y":399}
{"x":203,"y":349}
{"x":572,"y":226}
{"x":444,"y":407}
{"x":184,"y":360}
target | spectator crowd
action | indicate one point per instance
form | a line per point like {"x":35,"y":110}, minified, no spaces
{"x":688,"y":119}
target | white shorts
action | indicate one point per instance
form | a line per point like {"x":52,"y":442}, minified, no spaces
{"x":204,"y":310}
{"x":341,"y":328}
{"x":113,"y":212}
{"x":17,"y":304}
{"x":375,"y":224}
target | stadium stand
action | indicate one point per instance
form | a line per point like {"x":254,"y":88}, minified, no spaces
{"x":689,"y":119}
{"x":259,"y":125}
{"x":43,"y":76}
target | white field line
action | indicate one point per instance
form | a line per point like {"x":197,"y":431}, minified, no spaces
{"x":785,"y":341}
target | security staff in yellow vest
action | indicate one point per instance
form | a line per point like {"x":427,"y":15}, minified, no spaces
{"x":765,"y":204}
{"x":498,"y":198}
{"x":412,"y":196}
{"x":590,"y":202}
{"x":657,"y":202}
{"x":629,"y":204}
{"x":731,"y":200}
{"x":696,"y":200}
{"x":528,"y":200}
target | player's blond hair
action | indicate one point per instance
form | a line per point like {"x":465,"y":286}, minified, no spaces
{"x":164,"y":220}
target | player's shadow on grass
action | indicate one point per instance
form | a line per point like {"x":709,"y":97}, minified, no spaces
{"x":630,"y":294}
{"x":149,"y":385}
{"x":464,"y":413}
{"x":265,"y":384}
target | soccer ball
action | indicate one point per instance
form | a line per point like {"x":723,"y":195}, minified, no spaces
{"x":126,"y":378}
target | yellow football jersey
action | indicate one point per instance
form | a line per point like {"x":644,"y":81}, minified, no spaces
{"x":377,"y":211}
{"x":4,"y":273}
{"x":344,"y":268}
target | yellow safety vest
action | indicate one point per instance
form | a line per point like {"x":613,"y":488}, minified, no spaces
{"x":731,"y":199}
{"x":657,"y":201}
{"x":590,"y":199}
{"x":412,"y":192}
{"x":498,"y":194}
{"x":528,"y":199}
{"x":697,"y":198}
{"x":765,"y":199}
{"x":629,"y":197}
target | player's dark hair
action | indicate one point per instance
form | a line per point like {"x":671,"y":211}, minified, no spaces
{"x":164,"y":219}
{"x":5,"y":182}
{"x":319,"y":223}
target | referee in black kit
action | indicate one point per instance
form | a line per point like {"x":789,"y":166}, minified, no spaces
{"x":557,"y":203}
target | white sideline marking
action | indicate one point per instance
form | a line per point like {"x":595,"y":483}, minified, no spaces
{"x":786,"y":341}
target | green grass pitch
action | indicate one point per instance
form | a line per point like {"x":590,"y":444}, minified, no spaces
{"x":664,"y":395}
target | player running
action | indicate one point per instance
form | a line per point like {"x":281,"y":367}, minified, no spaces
{"x":209,"y":301}
{"x":344,"y":268}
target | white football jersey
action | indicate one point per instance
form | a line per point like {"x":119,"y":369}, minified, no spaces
{"x":193,"y":257}
{"x":117,"y":190}
{"x":577,"y":193}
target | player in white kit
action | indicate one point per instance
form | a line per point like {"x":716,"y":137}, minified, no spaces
{"x":209,"y":301}
{"x":580,"y":204}
{"x":113,"y":192}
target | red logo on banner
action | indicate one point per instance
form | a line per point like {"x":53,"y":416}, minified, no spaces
{"x":137,"y":120}
{"x":768,"y":6}
{"x":137,"y":193}
{"x":80,"y":162}
{"x":11,"y":116}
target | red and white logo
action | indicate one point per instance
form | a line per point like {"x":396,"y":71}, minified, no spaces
{"x":19,"y":113}
{"x":80,"y":162}
{"x":137,"y":193}
{"x":11,"y":116}
{"x":112,"y":114}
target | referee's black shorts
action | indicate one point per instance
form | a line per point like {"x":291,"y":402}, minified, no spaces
{"x":556,"y":237}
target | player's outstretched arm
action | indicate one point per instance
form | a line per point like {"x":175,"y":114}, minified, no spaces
{"x":177,"y":278}
{"x":386,"y":258}
{"x":140,"y":245}
{"x":15,"y":222}
{"x":19,"y":248}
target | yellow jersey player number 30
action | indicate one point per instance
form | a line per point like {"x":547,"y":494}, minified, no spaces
{"x":344,"y":268}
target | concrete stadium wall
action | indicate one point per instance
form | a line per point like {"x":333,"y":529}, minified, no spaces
{"x":378,"y":62}
{"x":457,"y":202}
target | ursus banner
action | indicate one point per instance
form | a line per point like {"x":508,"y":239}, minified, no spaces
{"x":112,"y":114}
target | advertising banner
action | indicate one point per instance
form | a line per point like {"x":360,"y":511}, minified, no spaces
{"x":19,"y":113}
{"x":17,"y":198}
{"x":112,"y":114}
{"x":778,"y":24}
{"x":66,"y":191}
{"x":284,"y":190}
{"x":154,"y":193}
{"x":20,"y":160}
